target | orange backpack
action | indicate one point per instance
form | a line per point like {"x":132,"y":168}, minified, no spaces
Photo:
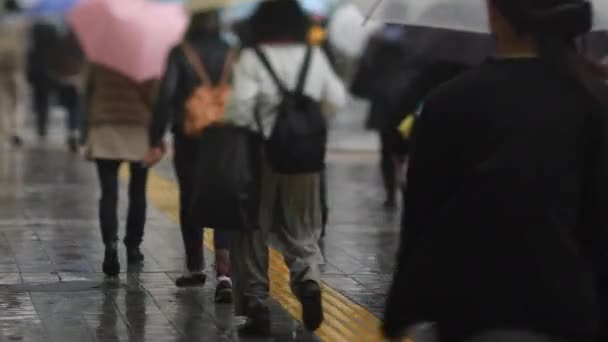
{"x":207,"y":103}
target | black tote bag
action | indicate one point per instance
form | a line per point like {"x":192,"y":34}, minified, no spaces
{"x":227,"y":193}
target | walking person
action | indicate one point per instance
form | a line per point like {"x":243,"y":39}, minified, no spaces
{"x":56,"y":71}
{"x":291,"y":203}
{"x":12,"y":72}
{"x":504,"y":232}
{"x":203,"y":50}
{"x":384,"y":75}
{"x":119,"y":112}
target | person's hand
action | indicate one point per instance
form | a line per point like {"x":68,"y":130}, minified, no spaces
{"x":153,"y":156}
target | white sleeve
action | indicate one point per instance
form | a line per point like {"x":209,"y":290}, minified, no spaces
{"x":333,"y":95}
{"x":245,"y":91}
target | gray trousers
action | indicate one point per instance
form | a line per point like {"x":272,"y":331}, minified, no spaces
{"x":290,"y":214}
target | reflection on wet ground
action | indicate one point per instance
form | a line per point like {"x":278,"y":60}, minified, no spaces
{"x":52,"y":288}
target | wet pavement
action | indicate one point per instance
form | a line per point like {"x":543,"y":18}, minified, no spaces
{"x":52,"y":288}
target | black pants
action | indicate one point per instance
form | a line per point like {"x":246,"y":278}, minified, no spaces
{"x":185,"y":159}
{"x":389,"y":151}
{"x":43,"y":89}
{"x":108,"y":205}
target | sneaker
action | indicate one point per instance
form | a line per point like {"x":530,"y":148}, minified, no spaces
{"x":191,"y":280}
{"x":111,"y":265}
{"x":134,"y":256}
{"x":223,"y":291}
{"x":312,"y":305}
{"x":258,"y":322}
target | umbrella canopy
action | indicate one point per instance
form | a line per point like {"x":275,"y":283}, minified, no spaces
{"x":128,"y":36}
{"x":461,"y":15}
{"x":346,"y":30}
{"x":48,"y":7}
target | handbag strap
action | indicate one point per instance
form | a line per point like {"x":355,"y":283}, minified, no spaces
{"x":196,"y":63}
{"x":301,"y":77}
{"x":228,"y":67}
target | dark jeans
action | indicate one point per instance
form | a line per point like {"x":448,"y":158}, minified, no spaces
{"x":43,"y":89}
{"x":393,"y":148}
{"x":185,"y":159}
{"x":108,"y":205}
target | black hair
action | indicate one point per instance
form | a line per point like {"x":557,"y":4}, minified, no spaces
{"x":557,"y":24}
{"x":11,"y":6}
{"x":279,"y":19}
{"x":205,"y":23}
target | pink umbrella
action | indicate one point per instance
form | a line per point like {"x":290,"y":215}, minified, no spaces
{"x":133,"y":37}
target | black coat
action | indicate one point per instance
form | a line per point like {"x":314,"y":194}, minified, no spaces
{"x":505,"y":223}
{"x":180,"y":80}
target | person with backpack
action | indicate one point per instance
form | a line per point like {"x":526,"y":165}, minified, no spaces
{"x":12,"y":70}
{"x":283,"y":88}
{"x":191,"y":96}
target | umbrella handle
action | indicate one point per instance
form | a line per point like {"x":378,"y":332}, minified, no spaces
{"x":371,"y":12}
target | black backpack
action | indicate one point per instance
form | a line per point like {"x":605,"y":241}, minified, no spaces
{"x":298,"y":140}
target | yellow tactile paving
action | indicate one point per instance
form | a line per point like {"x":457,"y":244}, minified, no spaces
{"x":344,"y":320}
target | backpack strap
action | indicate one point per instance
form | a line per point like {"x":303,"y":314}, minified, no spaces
{"x":304,"y":71}
{"x":196,"y":63}
{"x":262,"y":56}
{"x":228,"y":67}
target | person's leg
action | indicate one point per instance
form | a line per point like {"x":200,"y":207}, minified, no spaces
{"x":249,"y":254}
{"x":184,"y":161}
{"x":387,"y":166}
{"x":324,"y":202}
{"x":136,"y":217}
{"x":69,"y":100}
{"x":299,"y":228}
{"x":108,"y":177}
{"x":221,"y":241}
{"x":41,"y":91}
{"x":11,"y":108}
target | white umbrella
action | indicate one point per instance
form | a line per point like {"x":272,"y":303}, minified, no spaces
{"x":347,"y":31}
{"x":462,"y":15}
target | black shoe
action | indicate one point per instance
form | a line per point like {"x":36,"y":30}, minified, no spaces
{"x":134,"y":256}
{"x":16,"y":141}
{"x":111,"y":266}
{"x":258,"y":322}
{"x":390,"y":203}
{"x":196,"y":279}
{"x":73,"y":144}
{"x":312,"y":305}
{"x":223,"y":292}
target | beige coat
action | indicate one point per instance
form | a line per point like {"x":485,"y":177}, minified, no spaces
{"x":118,"y":116}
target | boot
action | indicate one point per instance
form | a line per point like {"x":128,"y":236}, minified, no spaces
{"x":309,"y":294}
{"x":111,"y":265}
{"x":258,"y":321}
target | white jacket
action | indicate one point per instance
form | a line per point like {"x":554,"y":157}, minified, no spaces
{"x":254,"y":87}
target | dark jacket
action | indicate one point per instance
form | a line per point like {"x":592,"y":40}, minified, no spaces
{"x":505,"y":223}
{"x":180,"y":80}
{"x":44,"y":38}
{"x":384,"y":74}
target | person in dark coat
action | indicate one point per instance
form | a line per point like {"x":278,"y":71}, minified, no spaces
{"x":55,"y":68}
{"x":177,"y":85}
{"x":505,"y":226}
{"x":384,"y":73}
